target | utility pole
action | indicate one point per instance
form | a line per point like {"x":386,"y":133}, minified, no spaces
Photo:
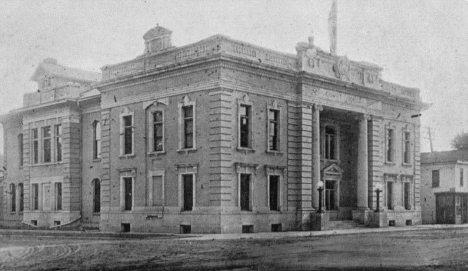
{"x":430,"y":137}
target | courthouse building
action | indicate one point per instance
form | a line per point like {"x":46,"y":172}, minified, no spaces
{"x":218,"y":136}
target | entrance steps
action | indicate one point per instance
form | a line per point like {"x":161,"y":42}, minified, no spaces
{"x":344,"y":224}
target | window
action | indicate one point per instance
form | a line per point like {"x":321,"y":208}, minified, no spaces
{"x":96,"y":196}
{"x":390,"y":195}
{"x":188,"y":128}
{"x":435,"y":178}
{"x":245,"y":192}
{"x":127,"y":133}
{"x":330,"y":195}
{"x":461,"y":176}
{"x":58,"y":196}
{"x":35,"y":196}
{"x":128,"y":192}
{"x":390,"y":145}
{"x":12,"y":197}
{"x":407,"y":195}
{"x":273,"y":129}
{"x":245,"y":126}
{"x":20,"y":149}
{"x":46,"y":144}
{"x":35,"y":145}
{"x":274,"y":193}
{"x":330,"y":143}
{"x":21,"y":197}
{"x":97,"y":140}
{"x":187,"y":180}
{"x":407,"y":148}
{"x":58,"y":143}
{"x":158,"y":130}
{"x":157,"y":199}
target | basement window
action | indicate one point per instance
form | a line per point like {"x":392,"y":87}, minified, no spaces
{"x":247,"y":228}
{"x":184,"y":229}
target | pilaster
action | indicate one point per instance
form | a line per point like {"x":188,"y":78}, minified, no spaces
{"x":363,"y":163}
{"x":220,"y":137}
{"x":71,"y":148}
{"x":300,"y":162}
{"x":375,"y":140}
{"x":417,"y":167}
{"x":105,"y":161}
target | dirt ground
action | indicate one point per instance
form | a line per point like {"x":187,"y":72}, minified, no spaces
{"x":411,"y":250}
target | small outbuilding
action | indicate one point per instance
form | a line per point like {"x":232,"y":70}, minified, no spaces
{"x":444,"y":191}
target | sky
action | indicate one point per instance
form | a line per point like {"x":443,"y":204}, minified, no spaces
{"x":420,"y":44}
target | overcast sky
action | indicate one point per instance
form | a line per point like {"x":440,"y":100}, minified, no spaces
{"x":420,"y":44}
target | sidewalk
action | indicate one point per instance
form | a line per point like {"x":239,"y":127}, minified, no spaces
{"x":293,"y":234}
{"x":235,"y":236}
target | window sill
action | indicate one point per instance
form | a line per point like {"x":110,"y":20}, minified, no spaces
{"x":127,"y":156}
{"x":156,"y":153}
{"x":389,"y":163}
{"x":275,"y":153}
{"x":245,"y":150}
{"x":96,"y":214}
{"x":45,"y":164}
{"x":187,"y":151}
{"x":96,"y":160}
{"x":406,"y":165}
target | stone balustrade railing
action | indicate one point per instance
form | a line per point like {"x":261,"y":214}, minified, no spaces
{"x":52,"y":95}
{"x":359,"y":72}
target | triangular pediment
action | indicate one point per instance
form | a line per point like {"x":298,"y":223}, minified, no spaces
{"x":333,"y":169}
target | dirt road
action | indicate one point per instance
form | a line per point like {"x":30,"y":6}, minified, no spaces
{"x":413,"y":250}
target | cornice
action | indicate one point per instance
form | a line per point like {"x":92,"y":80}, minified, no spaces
{"x":361,"y":91}
{"x":149,"y":76}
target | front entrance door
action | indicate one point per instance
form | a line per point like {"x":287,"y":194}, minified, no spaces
{"x":445,"y":208}
{"x":464,"y":209}
{"x":330,"y":195}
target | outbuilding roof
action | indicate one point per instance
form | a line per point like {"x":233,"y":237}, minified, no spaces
{"x":444,"y":156}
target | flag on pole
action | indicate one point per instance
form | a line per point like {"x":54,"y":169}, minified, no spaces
{"x":332,"y":21}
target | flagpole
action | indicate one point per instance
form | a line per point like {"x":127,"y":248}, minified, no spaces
{"x":332,"y":26}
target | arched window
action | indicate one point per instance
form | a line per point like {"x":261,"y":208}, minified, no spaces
{"x":97,"y":140}
{"x":330,"y":143}
{"x":96,"y":196}
{"x":12,"y":197}
{"x":21,"y":197}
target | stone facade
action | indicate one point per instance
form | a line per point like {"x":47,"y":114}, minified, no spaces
{"x":219,"y":136}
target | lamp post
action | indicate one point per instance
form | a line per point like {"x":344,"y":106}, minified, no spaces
{"x":320,"y":190}
{"x":378,"y":200}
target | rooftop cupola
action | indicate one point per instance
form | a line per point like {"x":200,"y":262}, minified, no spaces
{"x":157,"y":39}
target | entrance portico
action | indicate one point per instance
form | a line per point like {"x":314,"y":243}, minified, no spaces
{"x":340,"y":158}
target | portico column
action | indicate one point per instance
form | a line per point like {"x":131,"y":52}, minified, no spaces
{"x":315,"y":154}
{"x":362,"y":166}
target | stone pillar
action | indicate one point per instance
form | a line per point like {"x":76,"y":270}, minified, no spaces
{"x":315,"y":154}
{"x":300,"y":163}
{"x":362,"y":166}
